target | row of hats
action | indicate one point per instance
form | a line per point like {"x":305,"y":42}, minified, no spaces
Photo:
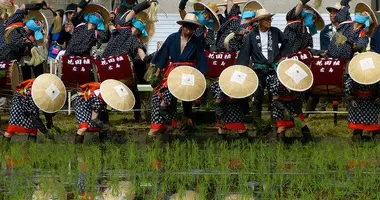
{"x":49,"y":94}
{"x":258,"y":12}
{"x":188,"y":84}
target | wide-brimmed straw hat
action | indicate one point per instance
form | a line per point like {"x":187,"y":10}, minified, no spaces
{"x":238,"y":81}
{"x":39,"y":16}
{"x":262,"y":14}
{"x":235,"y":2}
{"x":50,"y":190}
{"x":189,"y":18}
{"x":49,"y":93}
{"x":188,"y":195}
{"x":295,"y":75}
{"x":213,"y":9}
{"x":364,"y":68}
{"x":252,"y":6}
{"x":103,"y":11}
{"x":125,"y":190}
{"x":335,"y":7}
{"x":363,"y":7}
{"x":319,"y":22}
{"x":186,"y":83}
{"x":149,"y":25}
{"x":239,"y":197}
{"x":117,"y":95}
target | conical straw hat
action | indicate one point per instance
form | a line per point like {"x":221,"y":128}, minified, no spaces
{"x":49,"y":93}
{"x":295,"y":75}
{"x":238,"y":197}
{"x":117,"y":95}
{"x":363,"y":7}
{"x":238,"y":81}
{"x":50,"y":190}
{"x":364,"y":68}
{"x":186,"y":83}
{"x":188,"y":195}
{"x":125,"y":190}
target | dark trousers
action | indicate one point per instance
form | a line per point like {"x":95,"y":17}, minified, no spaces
{"x":139,"y":68}
{"x":187,"y":109}
{"x":259,"y":94}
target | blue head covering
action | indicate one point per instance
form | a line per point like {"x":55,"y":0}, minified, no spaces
{"x":203,"y":21}
{"x":95,"y":19}
{"x":140,"y":26}
{"x":31,"y":24}
{"x":363,"y":20}
{"x":308,"y":20}
{"x":248,"y":14}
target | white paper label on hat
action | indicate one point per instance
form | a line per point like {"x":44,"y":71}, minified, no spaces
{"x":296,"y":73}
{"x":238,"y":77}
{"x":367,"y":63}
{"x":52,"y":91}
{"x":188,"y":79}
{"x":121,"y":90}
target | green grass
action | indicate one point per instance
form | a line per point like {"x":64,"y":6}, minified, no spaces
{"x":332,"y":168}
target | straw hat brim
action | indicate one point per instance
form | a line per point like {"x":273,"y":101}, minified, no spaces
{"x":301,"y":81}
{"x":117,"y":95}
{"x":238,"y":81}
{"x":320,"y":23}
{"x":183,"y":89}
{"x":40,"y":17}
{"x":150,"y":26}
{"x":258,"y":18}
{"x":49,"y":93}
{"x":358,"y":63}
{"x":252,"y":5}
{"x":329,"y":9}
{"x":363,"y":7}
{"x":199,"y":6}
{"x":189,"y":195}
{"x":181,"y":22}
{"x":91,"y":8}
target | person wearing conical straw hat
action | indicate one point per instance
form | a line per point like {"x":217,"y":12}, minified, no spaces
{"x":287,"y":87}
{"x":303,"y":22}
{"x":88,"y":105}
{"x":24,"y":115}
{"x":207,"y":15}
{"x":129,"y":38}
{"x":180,"y":48}
{"x":325,"y":37}
{"x":87,"y":34}
{"x":228,"y":105}
{"x":230,"y":25}
{"x":262,"y":45}
{"x":363,"y":95}
{"x":351,"y":36}
{"x":235,"y":39}
{"x":21,"y":37}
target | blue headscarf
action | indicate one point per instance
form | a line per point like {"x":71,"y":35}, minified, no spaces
{"x":31,"y":24}
{"x":140,"y":26}
{"x":308,"y":20}
{"x":248,"y":14}
{"x":94,"y":19}
{"x":203,"y":21}
{"x":363,"y":20}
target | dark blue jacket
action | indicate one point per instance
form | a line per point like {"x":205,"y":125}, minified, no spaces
{"x":325,"y":35}
{"x":375,"y":40}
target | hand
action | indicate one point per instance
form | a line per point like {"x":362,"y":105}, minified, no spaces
{"x":353,"y":103}
{"x":69,"y":27}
